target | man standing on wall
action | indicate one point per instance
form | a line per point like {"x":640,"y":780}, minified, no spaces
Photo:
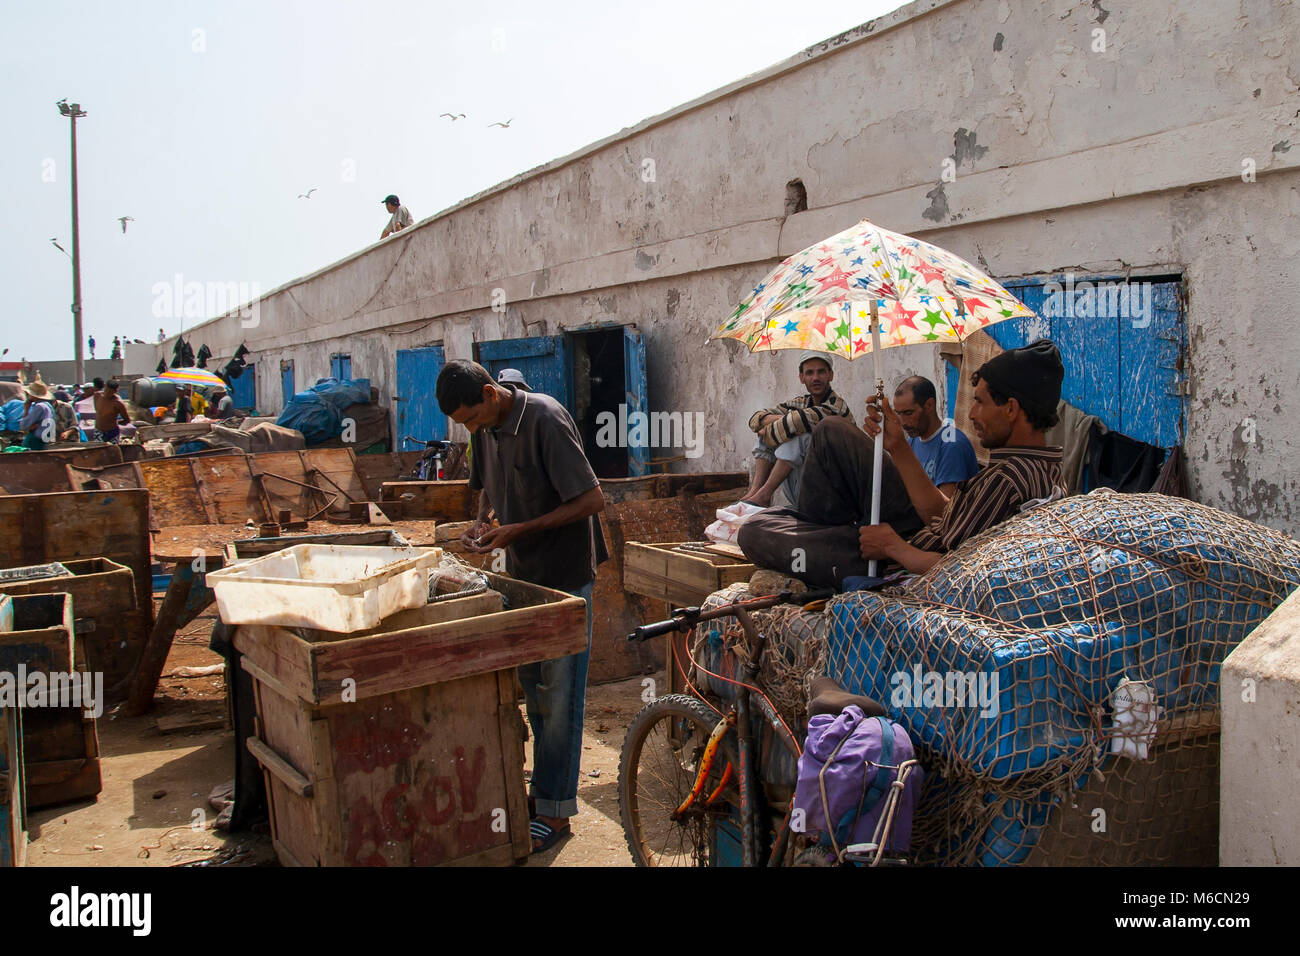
{"x":528,"y":461}
{"x":401,"y":216}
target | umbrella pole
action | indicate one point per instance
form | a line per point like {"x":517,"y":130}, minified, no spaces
{"x":878,"y":451}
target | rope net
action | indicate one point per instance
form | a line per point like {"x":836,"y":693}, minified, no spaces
{"x":1058,"y":674}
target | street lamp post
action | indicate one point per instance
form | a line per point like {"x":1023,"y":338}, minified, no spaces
{"x":73,"y":112}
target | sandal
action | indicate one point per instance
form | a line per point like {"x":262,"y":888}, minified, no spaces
{"x":546,"y":834}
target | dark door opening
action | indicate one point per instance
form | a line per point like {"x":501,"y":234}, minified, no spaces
{"x":599,"y":385}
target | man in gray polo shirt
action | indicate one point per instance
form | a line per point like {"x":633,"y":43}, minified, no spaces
{"x":527,"y":459}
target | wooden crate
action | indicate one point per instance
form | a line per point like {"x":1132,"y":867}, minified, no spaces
{"x":41,"y":639}
{"x":61,"y":753}
{"x":404,"y":746}
{"x":98,"y":587}
{"x":70,"y":526}
{"x":440,"y":500}
{"x":682,"y":579}
{"x":13,"y":816}
{"x":102,"y":591}
{"x":60,"y":744}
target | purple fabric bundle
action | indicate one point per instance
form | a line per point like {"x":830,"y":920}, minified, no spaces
{"x":857,"y":757}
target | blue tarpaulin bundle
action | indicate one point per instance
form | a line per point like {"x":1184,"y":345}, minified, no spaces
{"x":1005,"y":661}
{"x":12,"y":413}
{"x":318,"y":412}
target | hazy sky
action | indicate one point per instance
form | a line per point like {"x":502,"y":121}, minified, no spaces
{"x":206,"y":120}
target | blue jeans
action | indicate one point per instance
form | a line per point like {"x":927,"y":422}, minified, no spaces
{"x":555,"y":698}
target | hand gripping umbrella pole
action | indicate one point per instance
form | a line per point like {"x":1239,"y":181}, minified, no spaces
{"x":878,"y":449}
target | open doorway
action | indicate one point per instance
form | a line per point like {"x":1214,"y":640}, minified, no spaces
{"x":595,"y":373}
{"x":599,"y":385}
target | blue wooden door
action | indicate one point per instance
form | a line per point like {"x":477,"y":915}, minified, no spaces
{"x":545,"y":361}
{"x":418,"y":414}
{"x":1121,"y":344}
{"x":638,"y":458}
{"x":341,"y":366}
{"x":286,"y":381}
{"x":952,"y":382}
{"x":244,"y":389}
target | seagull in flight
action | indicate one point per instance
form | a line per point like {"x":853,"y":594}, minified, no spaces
{"x":59,"y":247}
{"x":452,"y":117}
{"x":307,"y":194}
{"x":505,"y":125}
{"x":124,"y":220}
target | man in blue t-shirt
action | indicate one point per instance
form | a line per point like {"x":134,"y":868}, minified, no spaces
{"x":942,"y":448}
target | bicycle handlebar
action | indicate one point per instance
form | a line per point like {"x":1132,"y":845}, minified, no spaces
{"x":684,"y":618}
{"x":436,"y":442}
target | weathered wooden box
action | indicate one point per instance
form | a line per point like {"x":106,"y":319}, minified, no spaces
{"x":84,"y":525}
{"x":404,"y":746}
{"x":42,"y":635}
{"x":99,"y":587}
{"x":13,"y":817}
{"x":60,"y":743}
{"x":683,"y":579}
{"x":102,"y":592}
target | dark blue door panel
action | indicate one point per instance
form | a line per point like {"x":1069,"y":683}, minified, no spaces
{"x":638,"y":457}
{"x":244,"y":389}
{"x":1120,"y":343}
{"x":545,"y":361}
{"x":418,"y":414}
{"x":286,"y":381}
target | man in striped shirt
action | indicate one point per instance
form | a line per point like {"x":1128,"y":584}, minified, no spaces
{"x":828,"y":539}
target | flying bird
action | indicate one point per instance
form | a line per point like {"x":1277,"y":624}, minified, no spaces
{"x":452,"y":117}
{"x":124,"y":220}
{"x":505,"y":125}
{"x":59,"y":247}
{"x":307,"y":194}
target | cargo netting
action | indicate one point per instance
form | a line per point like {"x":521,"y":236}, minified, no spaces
{"x":1058,"y":674}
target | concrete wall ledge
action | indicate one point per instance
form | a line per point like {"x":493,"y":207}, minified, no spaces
{"x":1259,"y":813}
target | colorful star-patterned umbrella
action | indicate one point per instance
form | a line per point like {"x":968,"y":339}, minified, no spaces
{"x":865,"y":289}
{"x":820,"y":299}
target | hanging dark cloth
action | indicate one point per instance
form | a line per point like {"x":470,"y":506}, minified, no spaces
{"x":1122,"y":463}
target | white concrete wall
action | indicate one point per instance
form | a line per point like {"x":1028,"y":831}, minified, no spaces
{"x":1259,"y":813}
{"x":1067,"y":158}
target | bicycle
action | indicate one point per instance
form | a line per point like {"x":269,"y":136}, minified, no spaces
{"x":433,"y":452}
{"x":713,"y":811}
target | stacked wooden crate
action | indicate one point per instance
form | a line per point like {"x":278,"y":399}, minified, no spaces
{"x":404,"y":745}
{"x":60,"y":743}
{"x":13,"y":816}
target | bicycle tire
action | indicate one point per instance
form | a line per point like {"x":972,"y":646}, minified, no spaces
{"x":655,"y":775}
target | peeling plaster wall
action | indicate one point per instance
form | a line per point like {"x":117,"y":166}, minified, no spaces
{"x":1061,"y":155}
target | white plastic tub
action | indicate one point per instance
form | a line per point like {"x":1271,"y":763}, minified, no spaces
{"x":342,"y":588}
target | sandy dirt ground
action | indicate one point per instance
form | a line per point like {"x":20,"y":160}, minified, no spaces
{"x":154,"y":809}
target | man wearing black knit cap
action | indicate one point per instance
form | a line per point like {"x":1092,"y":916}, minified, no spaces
{"x":1016,"y":394}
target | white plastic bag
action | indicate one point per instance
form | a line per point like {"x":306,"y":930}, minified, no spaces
{"x":1136,"y":712}
{"x":730,"y":518}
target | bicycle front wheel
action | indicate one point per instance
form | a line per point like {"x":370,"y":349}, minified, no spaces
{"x":657,"y":769}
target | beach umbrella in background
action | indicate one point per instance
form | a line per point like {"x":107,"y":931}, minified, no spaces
{"x":863,"y":290}
{"x":190,"y":376}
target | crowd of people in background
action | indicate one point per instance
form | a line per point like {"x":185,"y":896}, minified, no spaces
{"x":97,"y":411}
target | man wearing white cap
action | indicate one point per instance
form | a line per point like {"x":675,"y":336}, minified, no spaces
{"x":514,"y":377}
{"x":784,"y":431}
